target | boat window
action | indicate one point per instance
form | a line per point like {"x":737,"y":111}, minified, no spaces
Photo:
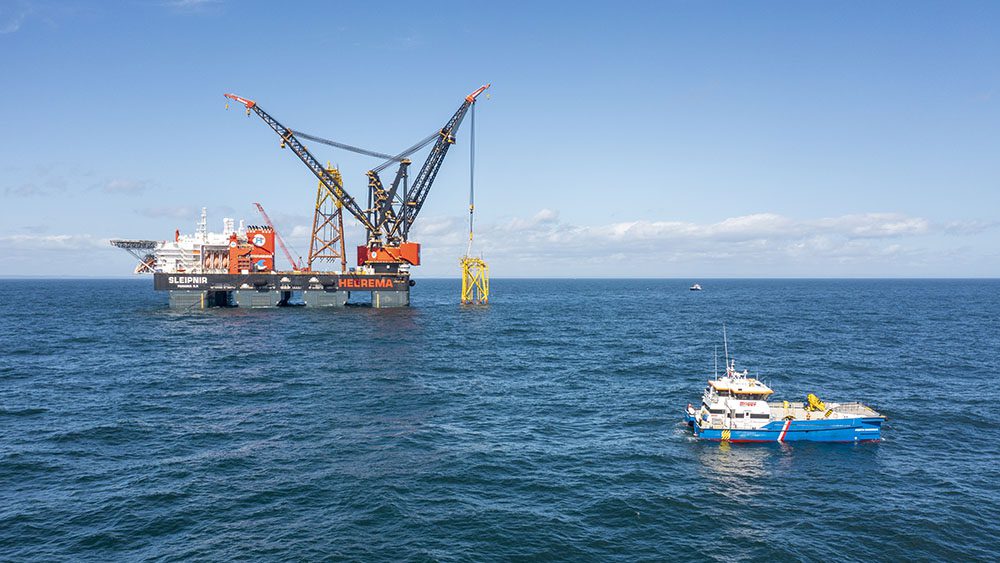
{"x":760,"y":416}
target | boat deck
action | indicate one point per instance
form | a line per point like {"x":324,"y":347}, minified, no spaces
{"x":798,"y":411}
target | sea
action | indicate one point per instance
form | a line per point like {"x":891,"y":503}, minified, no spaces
{"x":546,"y":426}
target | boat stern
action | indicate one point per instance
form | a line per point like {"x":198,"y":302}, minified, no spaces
{"x":690,"y":415}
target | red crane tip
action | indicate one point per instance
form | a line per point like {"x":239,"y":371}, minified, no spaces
{"x":472,"y":97}
{"x":248,"y":103}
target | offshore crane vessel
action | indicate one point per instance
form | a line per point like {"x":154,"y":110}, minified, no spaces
{"x":237,"y":267}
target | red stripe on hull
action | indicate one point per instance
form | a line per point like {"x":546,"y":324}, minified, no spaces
{"x":781,"y":437}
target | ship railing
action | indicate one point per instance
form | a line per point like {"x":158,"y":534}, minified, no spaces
{"x":798,"y":410}
{"x":857,"y":409}
{"x":781,"y":405}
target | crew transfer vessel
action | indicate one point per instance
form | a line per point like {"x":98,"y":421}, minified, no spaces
{"x":735,"y":408}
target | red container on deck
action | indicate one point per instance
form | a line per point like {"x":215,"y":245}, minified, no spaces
{"x":406,"y":253}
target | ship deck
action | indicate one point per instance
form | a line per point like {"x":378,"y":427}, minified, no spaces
{"x":799,"y":412}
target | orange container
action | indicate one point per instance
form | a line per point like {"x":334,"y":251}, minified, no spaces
{"x":406,"y":253}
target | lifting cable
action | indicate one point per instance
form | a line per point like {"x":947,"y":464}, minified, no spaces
{"x":472,"y":172}
{"x":399,"y":157}
{"x":388,"y":158}
{"x":475,"y":271}
{"x":344,"y":146}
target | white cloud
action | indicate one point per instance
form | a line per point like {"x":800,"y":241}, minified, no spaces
{"x":52,"y":242}
{"x":47,"y":181}
{"x":968,"y":227}
{"x":192,"y":5}
{"x":876,"y":225}
{"x":752,"y":244}
{"x":27,"y":189}
{"x":546,"y":216}
{"x":764,"y":244}
{"x":441,"y":226}
{"x":299,"y":231}
{"x":11,"y":19}
{"x":44,"y":181}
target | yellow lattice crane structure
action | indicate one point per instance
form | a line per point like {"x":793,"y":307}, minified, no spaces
{"x":475,"y":281}
{"x":475,"y":271}
{"x":327,"y":241}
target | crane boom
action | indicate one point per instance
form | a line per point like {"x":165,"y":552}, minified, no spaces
{"x":295,"y":265}
{"x":400,"y":227}
{"x":384,"y":223}
{"x":289,"y":139}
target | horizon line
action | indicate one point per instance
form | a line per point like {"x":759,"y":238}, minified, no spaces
{"x":457,"y":278}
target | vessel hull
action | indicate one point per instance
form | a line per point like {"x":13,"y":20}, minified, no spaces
{"x":275,"y":289}
{"x":839,"y":430}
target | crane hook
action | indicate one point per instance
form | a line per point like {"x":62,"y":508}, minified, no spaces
{"x":227,"y":106}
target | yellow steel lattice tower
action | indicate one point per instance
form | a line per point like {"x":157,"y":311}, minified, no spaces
{"x":475,"y":281}
{"x":328,"y":226}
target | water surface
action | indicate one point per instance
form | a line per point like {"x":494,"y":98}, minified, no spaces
{"x":546,"y":426}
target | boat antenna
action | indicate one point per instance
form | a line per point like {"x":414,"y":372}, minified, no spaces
{"x":725,"y":343}
{"x":716,"y":361}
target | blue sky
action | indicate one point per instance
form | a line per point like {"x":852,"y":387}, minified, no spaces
{"x":664,"y":139}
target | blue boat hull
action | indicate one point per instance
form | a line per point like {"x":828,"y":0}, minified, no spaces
{"x":821,"y":430}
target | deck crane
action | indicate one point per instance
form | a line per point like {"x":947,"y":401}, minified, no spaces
{"x":296,"y":267}
{"x":391,"y":212}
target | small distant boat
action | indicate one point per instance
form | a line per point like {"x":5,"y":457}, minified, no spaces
{"x":735,"y":408}
{"x":695,"y":287}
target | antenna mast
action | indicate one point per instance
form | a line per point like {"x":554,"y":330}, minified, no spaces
{"x":725,"y":342}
